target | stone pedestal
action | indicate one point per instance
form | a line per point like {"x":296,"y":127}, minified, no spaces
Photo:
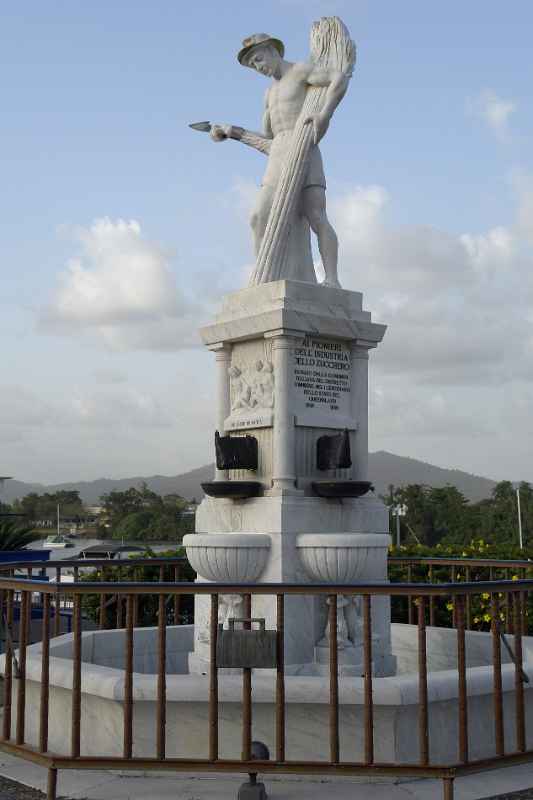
{"x":292,"y":367}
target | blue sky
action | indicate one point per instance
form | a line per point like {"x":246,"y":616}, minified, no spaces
{"x":429,"y":165}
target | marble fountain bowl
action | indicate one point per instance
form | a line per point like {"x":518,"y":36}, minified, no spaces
{"x":344,"y":557}
{"x":228,"y":557}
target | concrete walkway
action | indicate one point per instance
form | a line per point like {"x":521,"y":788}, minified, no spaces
{"x":91,"y":785}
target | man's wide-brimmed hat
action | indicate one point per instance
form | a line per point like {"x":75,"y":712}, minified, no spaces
{"x":256,"y":39}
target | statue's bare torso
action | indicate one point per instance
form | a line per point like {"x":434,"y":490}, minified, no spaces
{"x":285,"y":99}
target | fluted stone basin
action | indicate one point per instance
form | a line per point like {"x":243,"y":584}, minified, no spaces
{"x":343,"y":557}
{"x":228,"y":557}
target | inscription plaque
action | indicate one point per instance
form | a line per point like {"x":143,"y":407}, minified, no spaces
{"x":322,"y":370}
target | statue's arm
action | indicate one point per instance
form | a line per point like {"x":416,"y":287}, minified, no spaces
{"x":336,"y":84}
{"x":256,"y":140}
{"x":259,"y":141}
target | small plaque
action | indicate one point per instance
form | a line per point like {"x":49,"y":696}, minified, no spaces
{"x":253,"y":419}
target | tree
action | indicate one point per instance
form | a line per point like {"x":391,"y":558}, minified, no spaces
{"x":14,"y":536}
{"x":139,"y":514}
{"x":44,"y":506}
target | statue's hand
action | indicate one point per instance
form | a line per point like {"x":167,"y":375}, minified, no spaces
{"x":219,"y":133}
{"x":320,"y":125}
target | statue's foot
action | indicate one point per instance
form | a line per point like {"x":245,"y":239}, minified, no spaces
{"x":331,"y":284}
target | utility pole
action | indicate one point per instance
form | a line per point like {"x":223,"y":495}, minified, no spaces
{"x":399,"y":511}
{"x":520,"y":539}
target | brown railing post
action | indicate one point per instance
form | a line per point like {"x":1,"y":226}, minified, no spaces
{"x":280,"y":679}
{"x":506,"y":610}
{"x":367,"y":656}
{"x":45,"y":676}
{"x":213,"y":679}
{"x":410,"y":598}
{"x":447,"y":788}
{"x":8,"y":673}
{"x":423,"y":733}
{"x":57,"y":607}
{"x":161,"y":714}
{"x":497,"y":675}
{"x":454,"y":615}
{"x":30,"y":610}
{"x":431,"y":600}
{"x":102,"y":621}
{"x":247,"y":692}
{"x":462,"y":688}
{"x":119,"y":623}
{"x":524,"y":598}
{"x":177,"y":597}
{"x":333,"y":682}
{"x":21,"y":693}
{"x":519,"y":675}
{"x":76,"y":678}
{"x":51,"y":792}
{"x":468,"y":623}
{"x":128,"y":681}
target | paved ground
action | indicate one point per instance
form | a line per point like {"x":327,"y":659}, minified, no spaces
{"x":504,"y":784}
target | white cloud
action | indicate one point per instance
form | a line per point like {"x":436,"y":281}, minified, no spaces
{"x":458,"y":306}
{"x":456,"y":363}
{"x":495,"y":111}
{"x":121,"y":291}
{"x":523,"y":185}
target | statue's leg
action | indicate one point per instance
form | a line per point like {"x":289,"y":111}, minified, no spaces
{"x":260,"y":213}
{"x":314,"y":208}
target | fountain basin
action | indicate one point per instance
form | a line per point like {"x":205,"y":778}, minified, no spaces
{"x":344,"y":557}
{"x":228,"y":557}
{"x":307,"y":698}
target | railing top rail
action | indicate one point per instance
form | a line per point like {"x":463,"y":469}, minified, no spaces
{"x":119,"y":563}
{"x":183,"y":588}
{"x":93,"y":562}
{"x":472,"y":562}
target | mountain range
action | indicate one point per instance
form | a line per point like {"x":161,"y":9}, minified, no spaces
{"x":384,"y":469}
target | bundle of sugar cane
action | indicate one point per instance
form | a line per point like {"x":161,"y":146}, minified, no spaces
{"x":332,"y":49}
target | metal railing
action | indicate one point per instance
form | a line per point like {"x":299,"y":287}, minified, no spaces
{"x":513,"y":595}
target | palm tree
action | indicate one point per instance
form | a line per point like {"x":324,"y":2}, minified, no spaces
{"x":14,"y":536}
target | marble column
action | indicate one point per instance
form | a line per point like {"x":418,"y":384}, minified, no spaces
{"x":360,"y":411}
{"x":283,"y":434}
{"x":223,"y":362}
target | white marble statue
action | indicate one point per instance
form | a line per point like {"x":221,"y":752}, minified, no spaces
{"x":299,"y":105}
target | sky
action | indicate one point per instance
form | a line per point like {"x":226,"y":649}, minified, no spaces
{"x":121,"y":228}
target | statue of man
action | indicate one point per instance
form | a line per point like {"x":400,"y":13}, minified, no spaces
{"x":283,"y":103}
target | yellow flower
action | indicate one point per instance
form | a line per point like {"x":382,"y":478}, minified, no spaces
{"x":485,"y":595}
{"x":476,"y":619}
{"x":486,"y":617}
{"x":515,"y":578}
{"x":449,"y":606}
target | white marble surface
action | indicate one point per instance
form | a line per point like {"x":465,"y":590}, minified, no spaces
{"x":293,"y":306}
